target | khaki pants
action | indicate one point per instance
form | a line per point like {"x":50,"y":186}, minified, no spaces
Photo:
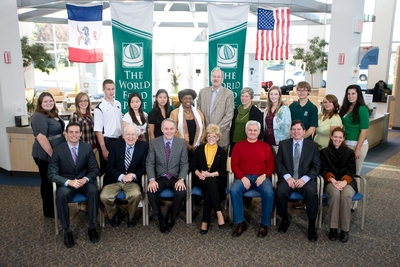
{"x":340,"y":206}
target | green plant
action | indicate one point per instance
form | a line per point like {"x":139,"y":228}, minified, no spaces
{"x":315,"y":58}
{"x":37,"y":55}
{"x":175,"y":77}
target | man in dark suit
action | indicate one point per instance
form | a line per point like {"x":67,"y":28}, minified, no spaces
{"x":217,"y":105}
{"x":167,"y":166}
{"x":73,"y":167}
{"x":125,"y":166}
{"x":297,"y":165}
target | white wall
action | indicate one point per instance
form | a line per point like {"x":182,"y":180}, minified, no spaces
{"x":12,"y":91}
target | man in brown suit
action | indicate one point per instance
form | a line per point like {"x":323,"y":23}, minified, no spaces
{"x":217,"y":104}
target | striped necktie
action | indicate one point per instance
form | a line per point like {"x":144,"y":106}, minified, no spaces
{"x":128,"y":158}
{"x":74,"y":155}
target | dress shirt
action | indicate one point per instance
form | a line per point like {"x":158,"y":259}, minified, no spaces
{"x":77,"y":149}
{"x":126,"y":149}
{"x":165,"y":144}
{"x":305,"y":178}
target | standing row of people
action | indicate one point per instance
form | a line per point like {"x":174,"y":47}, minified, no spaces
{"x":215,"y":106}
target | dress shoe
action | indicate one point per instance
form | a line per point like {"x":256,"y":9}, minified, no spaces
{"x":344,"y":236}
{"x":333,"y":234}
{"x":312,"y":234}
{"x":93,"y":236}
{"x":163,"y":227}
{"x":115,"y":220}
{"x":221,"y":226}
{"x":240,"y":228}
{"x":203,"y":232}
{"x":170,"y":220}
{"x":299,"y":204}
{"x":69,"y":240}
{"x":284,"y":226}
{"x":132,"y":223}
{"x":262,"y":231}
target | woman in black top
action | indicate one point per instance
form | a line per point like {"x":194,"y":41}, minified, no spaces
{"x":161,"y":110}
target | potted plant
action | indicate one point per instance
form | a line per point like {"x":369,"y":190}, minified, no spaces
{"x":174,"y":81}
{"x":37,"y":55}
{"x":30,"y":101}
{"x":315,"y":59}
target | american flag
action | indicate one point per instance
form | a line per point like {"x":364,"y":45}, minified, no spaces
{"x":273,"y":34}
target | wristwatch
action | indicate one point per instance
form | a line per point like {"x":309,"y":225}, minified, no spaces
{"x":182,"y":179}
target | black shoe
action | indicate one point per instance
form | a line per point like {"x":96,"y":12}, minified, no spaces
{"x":344,"y":236}
{"x":240,"y":228}
{"x":115,"y":220}
{"x":170,"y":220}
{"x":69,"y":240}
{"x":312,"y":234}
{"x":262,"y":231}
{"x":163,"y":227}
{"x":132,"y":223}
{"x":221,"y":226}
{"x":284,"y":226}
{"x":333,"y":234}
{"x":93,"y":236}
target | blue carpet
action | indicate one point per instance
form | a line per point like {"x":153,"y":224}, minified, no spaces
{"x":19,"y":180}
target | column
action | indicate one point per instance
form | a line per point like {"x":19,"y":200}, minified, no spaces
{"x":343,"y":39}
{"x":12,"y":89}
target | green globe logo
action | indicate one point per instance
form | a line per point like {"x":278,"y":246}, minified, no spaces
{"x":226,"y":52}
{"x":132,"y":51}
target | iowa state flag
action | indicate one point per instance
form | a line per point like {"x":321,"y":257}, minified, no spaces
{"x":85,"y":33}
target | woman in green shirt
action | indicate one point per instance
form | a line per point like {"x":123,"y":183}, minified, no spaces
{"x":355,"y":116}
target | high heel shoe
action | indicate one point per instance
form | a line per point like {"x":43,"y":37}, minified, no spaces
{"x":221,"y":226}
{"x":202,"y":231}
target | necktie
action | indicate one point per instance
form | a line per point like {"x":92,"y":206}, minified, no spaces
{"x":128,"y":158}
{"x":167,"y":154}
{"x":296,"y":159}
{"x":74,"y":155}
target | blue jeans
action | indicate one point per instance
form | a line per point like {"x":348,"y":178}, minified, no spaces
{"x":267,"y":199}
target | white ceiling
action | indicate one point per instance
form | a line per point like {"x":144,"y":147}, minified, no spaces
{"x":192,"y":14}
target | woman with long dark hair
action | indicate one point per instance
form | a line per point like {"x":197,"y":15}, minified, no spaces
{"x":48,"y":128}
{"x":161,"y":110}
{"x":136,"y":116}
{"x":355,"y":117}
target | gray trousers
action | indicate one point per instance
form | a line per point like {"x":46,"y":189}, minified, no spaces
{"x":340,"y":206}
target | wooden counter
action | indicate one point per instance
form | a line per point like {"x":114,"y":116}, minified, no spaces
{"x":20,"y":141}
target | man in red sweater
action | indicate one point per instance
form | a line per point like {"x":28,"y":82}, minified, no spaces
{"x":252,"y":163}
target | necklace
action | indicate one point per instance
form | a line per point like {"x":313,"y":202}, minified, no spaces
{"x":243,"y":112}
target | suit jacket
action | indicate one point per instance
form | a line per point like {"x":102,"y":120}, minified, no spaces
{"x":222,"y":112}
{"x":62,"y":167}
{"x":116,"y":161}
{"x":156,"y":165}
{"x":309,"y":163}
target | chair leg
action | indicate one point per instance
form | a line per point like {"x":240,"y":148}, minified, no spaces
{"x":55,"y":208}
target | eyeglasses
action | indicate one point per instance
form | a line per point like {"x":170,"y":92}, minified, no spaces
{"x":83,"y":101}
{"x":212,"y":136}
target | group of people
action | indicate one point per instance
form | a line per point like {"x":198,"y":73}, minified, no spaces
{"x":167,"y":143}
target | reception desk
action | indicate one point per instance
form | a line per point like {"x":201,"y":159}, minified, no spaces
{"x":21,"y":140}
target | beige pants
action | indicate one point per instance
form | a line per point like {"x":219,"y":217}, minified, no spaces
{"x":133,"y":196}
{"x":340,"y":206}
{"x":360,"y":160}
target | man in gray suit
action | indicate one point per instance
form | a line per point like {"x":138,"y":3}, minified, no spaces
{"x":73,"y":167}
{"x":217,"y":104}
{"x":167,"y":166}
{"x":297,"y":165}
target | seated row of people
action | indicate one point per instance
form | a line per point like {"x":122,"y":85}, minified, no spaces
{"x":74,"y":168}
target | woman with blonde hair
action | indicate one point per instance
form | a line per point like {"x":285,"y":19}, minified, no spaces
{"x":83,"y":116}
{"x":277,"y":119}
{"x":209,"y":173}
{"x":328,"y":120}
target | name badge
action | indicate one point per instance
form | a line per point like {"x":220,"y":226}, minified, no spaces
{"x":305,"y":113}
